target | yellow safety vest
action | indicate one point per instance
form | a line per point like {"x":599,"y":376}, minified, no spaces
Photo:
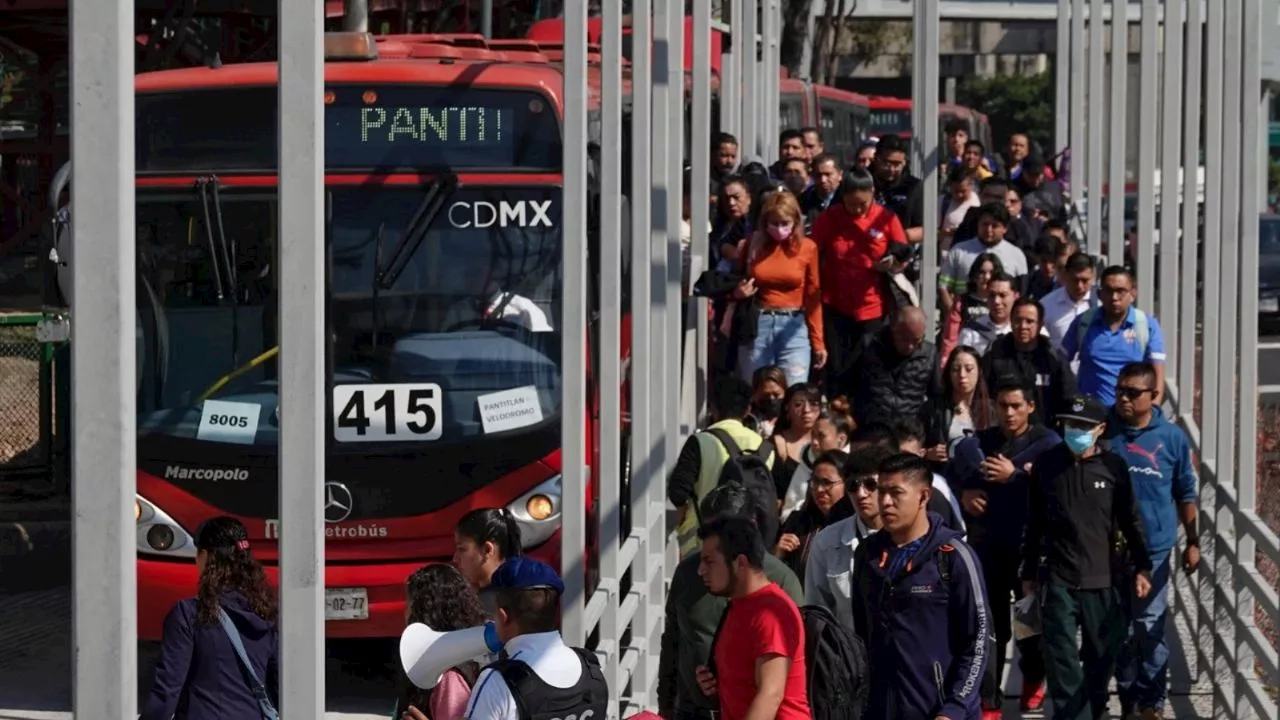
{"x":713,"y":457}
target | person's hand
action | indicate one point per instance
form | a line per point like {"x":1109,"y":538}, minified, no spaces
{"x":706,"y":681}
{"x":998,"y":469}
{"x":819,"y":358}
{"x":1190,"y":559}
{"x":1030,"y":587}
{"x":974,"y":502}
{"x":788,"y":543}
{"x":937,"y":453}
{"x":887,"y":264}
{"x":414,"y":713}
{"x":1142,"y":585}
{"x":745,"y":289}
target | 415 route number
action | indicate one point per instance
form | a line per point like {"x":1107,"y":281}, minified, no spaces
{"x":387,"y":413}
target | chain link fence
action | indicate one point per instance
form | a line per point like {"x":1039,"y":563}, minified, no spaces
{"x":26,"y":401}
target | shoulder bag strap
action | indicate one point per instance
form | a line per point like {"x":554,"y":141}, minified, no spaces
{"x":255,"y":685}
{"x":727,"y":441}
{"x":711,"y":658}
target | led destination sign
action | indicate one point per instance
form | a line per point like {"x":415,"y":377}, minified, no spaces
{"x":381,"y":128}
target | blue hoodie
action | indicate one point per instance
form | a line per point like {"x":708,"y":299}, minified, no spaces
{"x":1163,"y":474}
{"x":199,"y":676}
{"x":927,"y":642}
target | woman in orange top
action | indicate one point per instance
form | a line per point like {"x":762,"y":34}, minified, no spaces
{"x":781,"y":264}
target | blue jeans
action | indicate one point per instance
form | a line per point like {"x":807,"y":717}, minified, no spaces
{"x":781,"y":340}
{"x":1143,"y":671}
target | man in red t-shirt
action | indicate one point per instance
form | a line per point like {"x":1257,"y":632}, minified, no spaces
{"x":758,"y":653}
{"x":860,"y":243}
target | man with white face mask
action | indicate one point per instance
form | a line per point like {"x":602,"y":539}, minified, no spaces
{"x":1081,"y":506}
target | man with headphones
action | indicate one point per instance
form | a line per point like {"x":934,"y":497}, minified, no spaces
{"x":538,"y":677}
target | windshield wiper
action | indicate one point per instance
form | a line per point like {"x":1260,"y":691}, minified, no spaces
{"x":219,"y":250}
{"x":437,"y":194}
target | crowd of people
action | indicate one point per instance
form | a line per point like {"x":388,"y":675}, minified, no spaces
{"x":873,"y":517}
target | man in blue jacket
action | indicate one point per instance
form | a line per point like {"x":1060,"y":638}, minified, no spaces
{"x":993,"y":469}
{"x":919,"y":605}
{"x":1164,"y":483}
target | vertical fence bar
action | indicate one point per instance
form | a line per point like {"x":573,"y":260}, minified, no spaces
{"x":771,"y":22}
{"x":660,"y":335}
{"x":103,"y":363}
{"x":731,"y":81}
{"x":1212,"y":221}
{"x":1148,"y":113}
{"x":1170,"y":146}
{"x":1253,"y":114}
{"x":700,"y":178}
{"x":925,"y":129}
{"x":1076,"y":133}
{"x":1191,"y":240}
{"x":1117,"y":133}
{"x":1210,"y":620}
{"x":573,"y":405}
{"x":646,"y":480}
{"x":1062,"y":79}
{"x":676,"y":426}
{"x":303,"y":348}
{"x":1097,"y":138}
{"x":747,"y":45}
{"x":609,"y":472}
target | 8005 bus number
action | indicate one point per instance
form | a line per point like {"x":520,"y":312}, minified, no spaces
{"x":233,"y":421}
{"x":387,"y":413}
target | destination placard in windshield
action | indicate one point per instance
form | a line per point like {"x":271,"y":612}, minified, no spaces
{"x":367,"y":127}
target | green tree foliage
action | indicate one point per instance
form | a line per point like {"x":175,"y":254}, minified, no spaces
{"x":1013,"y":103}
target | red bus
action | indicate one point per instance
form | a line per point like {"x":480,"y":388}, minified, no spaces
{"x":892,"y":116}
{"x":443,"y":184}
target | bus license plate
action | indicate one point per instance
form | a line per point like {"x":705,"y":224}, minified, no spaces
{"x":346,"y":604}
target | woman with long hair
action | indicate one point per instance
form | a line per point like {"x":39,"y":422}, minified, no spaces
{"x":801,"y":407}
{"x":483,"y":539}
{"x":768,"y":388}
{"x":780,"y":270}
{"x":439,"y":597}
{"x":200,"y":675}
{"x":963,"y":407}
{"x":831,"y":431}
{"x":971,"y":305}
{"x":826,"y":502}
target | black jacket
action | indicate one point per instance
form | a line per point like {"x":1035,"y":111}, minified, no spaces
{"x":1080,"y":513}
{"x":1040,"y":368}
{"x":1006,"y":515}
{"x":890,"y":386}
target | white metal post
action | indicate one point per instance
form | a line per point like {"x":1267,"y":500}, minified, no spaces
{"x":1213,"y":97}
{"x":1148,"y":114}
{"x":925,"y":157}
{"x":103,"y":356}
{"x":647,"y":478}
{"x":1250,"y":693}
{"x":677,"y":428}
{"x":1062,"y":80}
{"x":746,"y":48}
{"x":1191,"y":92}
{"x":303,"y":350}
{"x":1118,"y":129}
{"x":573,"y":360}
{"x":771,"y":18}
{"x":700,"y":177}
{"x":1079,"y":66}
{"x":731,"y":80}
{"x":609,"y":472}
{"x":1170,"y":121}
{"x":1097,"y":137}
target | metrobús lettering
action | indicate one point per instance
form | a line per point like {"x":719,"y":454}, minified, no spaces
{"x":365,"y":531}
{"x":178,"y":472}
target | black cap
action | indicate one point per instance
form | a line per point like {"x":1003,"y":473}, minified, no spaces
{"x":1033,"y":165}
{"x":1085,"y":409}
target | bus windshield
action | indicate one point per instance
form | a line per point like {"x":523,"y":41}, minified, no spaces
{"x":461,"y":342}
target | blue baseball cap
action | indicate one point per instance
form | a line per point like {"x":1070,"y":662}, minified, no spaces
{"x":523,"y":573}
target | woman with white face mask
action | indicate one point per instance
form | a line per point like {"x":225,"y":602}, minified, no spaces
{"x":780,"y":267}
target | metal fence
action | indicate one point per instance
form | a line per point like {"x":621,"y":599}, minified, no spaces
{"x":27,"y":442}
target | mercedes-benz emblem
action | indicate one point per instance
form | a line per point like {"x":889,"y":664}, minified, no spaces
{"x":337,"y":502}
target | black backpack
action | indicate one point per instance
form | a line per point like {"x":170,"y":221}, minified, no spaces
{"x":839,"y":674}
{"x":751,"y":471}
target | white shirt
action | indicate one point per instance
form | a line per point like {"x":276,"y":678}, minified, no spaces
{"x":828,"y":575}
{"x":546,"y":654}
{"x":1059,"y":311}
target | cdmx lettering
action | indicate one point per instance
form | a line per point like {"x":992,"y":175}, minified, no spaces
{"x":522,"y":213}
{"x":342,"y":532}
{"x":178,"y":472}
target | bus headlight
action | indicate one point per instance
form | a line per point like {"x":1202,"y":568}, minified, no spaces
{"x":537,"y":512}
{"x":160,"y":535}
